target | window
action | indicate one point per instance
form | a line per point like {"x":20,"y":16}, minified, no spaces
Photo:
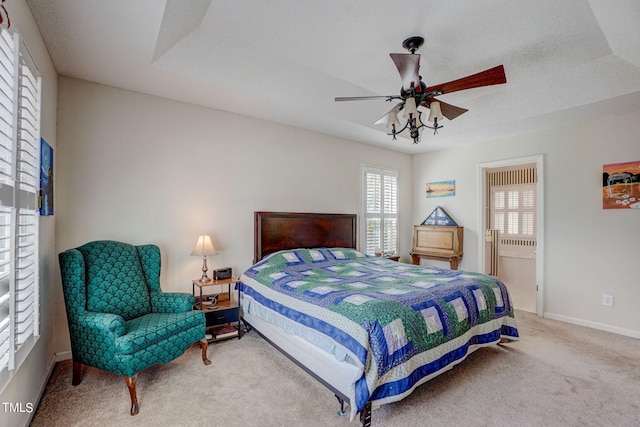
{"x":20,"y":91}
{"x":379,"y":210}
{"x":514,"y":210}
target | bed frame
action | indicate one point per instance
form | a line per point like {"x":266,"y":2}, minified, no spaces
{"x":276,"y":231}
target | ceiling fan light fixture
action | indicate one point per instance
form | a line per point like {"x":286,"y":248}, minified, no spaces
{"x":415,"y":133}
{"x":410,"y":109}
{"x":393,"y":122}
{"x":435,"y":113}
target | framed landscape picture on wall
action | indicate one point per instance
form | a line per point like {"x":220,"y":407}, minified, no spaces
{"x":621,"y":185}
{"x":441,"y":189}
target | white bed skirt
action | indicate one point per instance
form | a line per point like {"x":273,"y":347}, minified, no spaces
{"x":340,"y":375}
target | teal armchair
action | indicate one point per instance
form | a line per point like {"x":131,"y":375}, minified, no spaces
{"x":119,"y":318}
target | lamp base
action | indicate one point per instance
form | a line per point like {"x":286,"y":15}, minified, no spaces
{"x":204,"y":278}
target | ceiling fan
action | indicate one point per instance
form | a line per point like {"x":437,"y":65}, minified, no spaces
{"x":415,"y":93}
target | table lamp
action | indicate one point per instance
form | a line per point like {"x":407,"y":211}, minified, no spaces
{"x":204,"y":246}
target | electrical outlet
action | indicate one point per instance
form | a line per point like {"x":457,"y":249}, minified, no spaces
{"x":607,"y":300}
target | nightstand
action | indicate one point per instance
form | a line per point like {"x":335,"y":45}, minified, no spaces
{"x":221,"y":310}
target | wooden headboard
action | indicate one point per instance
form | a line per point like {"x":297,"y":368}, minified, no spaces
{"x":276,"y":231}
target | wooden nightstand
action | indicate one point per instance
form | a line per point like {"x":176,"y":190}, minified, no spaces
{"x":221,"y":310}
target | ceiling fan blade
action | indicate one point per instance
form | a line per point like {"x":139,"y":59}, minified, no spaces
{"x":384,"y":119}
{"x":451,"y":111}
{"x":365,"y":98}
{"x":408,"y":65}
{"x":492,"y":76}
{"x":448,"y":110}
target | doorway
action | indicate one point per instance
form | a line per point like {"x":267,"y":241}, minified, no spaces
{"x":511,"y":218}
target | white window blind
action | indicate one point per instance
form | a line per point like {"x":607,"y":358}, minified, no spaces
{"x":379,"y":210}
{"x":20,"y":100}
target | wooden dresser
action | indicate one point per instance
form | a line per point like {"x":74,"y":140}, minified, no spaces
{"x":438,"y":242}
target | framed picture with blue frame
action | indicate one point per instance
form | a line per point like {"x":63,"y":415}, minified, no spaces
{"x":45,"y":196}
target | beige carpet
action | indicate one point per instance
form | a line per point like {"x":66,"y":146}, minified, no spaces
{"x":556,"y":375}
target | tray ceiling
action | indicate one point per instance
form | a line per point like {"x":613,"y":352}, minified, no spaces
{"x":285,"y":61}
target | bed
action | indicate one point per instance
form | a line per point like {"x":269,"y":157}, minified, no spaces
{"x":370,"y":329}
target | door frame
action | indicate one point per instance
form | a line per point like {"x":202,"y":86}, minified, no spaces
{"x":482,"y":217}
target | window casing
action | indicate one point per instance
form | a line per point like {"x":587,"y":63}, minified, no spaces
{"x":379,"y":190}
{"x":20,"y":103}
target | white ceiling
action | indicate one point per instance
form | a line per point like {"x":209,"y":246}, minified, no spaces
{"x":286,"y":60}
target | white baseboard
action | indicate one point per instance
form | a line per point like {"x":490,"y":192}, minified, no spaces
{"x":594,"y":325}
{"x":51,"y":365}
{"x":65,"y":355}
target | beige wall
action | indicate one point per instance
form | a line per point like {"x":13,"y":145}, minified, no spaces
{"x":588,"y":251}
{"x":30,"y":379}
{"x":144,"y":169}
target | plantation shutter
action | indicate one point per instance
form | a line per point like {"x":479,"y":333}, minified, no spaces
{"x":372,"y":213}
{"x":390,"y":218}
{"x":20,"y":101}
{"x":8,"y":119}
{"x":513,"y":210}
{"x":28,"y":173}
{"x":380,"y":210}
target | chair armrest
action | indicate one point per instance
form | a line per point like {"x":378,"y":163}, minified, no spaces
{"x":101,"y":323}
{"x":93,"y":338}
{"x":171,"y":302}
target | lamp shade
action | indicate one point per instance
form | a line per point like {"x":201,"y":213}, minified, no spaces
{"x":393,"y":119}
{"x":435,"y":112}
{"x":204,"y":246}
{"x":410,"y":107}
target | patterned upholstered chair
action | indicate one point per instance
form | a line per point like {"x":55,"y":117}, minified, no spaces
{"x":119,"y":318}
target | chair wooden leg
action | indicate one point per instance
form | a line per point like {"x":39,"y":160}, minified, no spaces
{"x":77,"y":373}
{"x":204,"y":344}
{"x":131,"y":384}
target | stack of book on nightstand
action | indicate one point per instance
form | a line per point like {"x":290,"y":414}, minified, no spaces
{"x":224,"y":331}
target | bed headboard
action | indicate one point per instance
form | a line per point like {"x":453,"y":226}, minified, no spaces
{"x":276,"y":231}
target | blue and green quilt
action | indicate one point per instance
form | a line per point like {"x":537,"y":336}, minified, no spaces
{"x":401,"y":323}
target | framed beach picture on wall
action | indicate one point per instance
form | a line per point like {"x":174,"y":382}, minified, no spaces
{"x":441,"y":189}
{"x":621,"y":185}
